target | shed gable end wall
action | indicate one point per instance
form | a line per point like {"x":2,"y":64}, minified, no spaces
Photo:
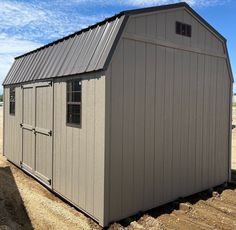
{"x":161,"y":26}
{"x":167,"y":123}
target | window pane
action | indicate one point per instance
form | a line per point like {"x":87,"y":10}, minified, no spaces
{"x":12,"y":107}
{"x":73,"y":109}
{"x":75,"y":118}
{"x":183,"y":32}
{"x":178,"y":28}
{"x":76,"y":86}
{"x":74,"y":97}
{"x":189,"y":32}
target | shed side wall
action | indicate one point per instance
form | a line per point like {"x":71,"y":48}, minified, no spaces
{"x":168,"y":126}
{"x":12,"y":131}
{"x":78,"y":169}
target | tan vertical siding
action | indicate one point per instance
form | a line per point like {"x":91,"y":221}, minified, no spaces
{"x":159,"y":125}
{"x":168,"y":124}
{"x":149,"y":126}
{"x":116,"y":136}
{"x":128,"y":126}
{"x":78,"y":165}
{"x":12,"y":130}
{"x":139,"y":125}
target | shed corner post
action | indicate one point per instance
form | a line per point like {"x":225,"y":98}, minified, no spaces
{"x":3,"y":136}
{"x":230,"y":130}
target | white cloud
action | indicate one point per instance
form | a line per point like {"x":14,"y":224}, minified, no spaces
{"x":15,"y":46}
{"x":146,"y":3}
{"x":47,"y":20}
{"x":200,"y":3}
{"x":11,"y":47}
{"x":19,"y":14}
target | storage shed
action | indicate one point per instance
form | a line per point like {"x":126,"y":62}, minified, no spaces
{"x":125,"y":115}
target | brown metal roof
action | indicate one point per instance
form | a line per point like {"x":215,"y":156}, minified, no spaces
{"x":84,"y":51}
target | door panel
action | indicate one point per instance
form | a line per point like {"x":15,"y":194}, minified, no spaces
{"x":28,"y":149}
{"x":44,"y":107}
{"x":28,"y":157}
{"x":28,"y":106}
{"x":43,"y":156}
{"x":37,"y":130}
{"x":43,"y":130}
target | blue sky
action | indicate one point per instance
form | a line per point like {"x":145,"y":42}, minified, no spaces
{"x":28,"y":24}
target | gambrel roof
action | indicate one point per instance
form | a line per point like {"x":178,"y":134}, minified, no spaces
{"x":87,"y":50}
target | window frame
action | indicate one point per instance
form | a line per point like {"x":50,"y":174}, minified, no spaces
{"x":10,"y":102}
{"x":187,"y":30}
{"x":74,"y":103}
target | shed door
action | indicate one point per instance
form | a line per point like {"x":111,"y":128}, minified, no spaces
{"x":37,"y":130}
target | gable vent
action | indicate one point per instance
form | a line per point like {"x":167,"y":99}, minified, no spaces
{"x":183,"y":29}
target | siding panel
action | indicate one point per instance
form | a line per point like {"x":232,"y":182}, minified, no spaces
{"x":78,"y":172}
{"x":116,"y":135}
{"x":159,"y":125}
{"x":128,"y":126}
{"x":149,"y":126}
{"x":139,"y":125}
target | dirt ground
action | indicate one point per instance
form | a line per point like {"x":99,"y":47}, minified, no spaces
{"x":25,"y":204}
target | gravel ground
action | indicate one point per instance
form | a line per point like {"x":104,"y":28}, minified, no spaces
{"x":25,"y":204}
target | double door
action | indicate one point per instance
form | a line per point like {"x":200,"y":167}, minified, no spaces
{"x":37,"y":123}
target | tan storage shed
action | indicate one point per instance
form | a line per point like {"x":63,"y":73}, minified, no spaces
{"x":126,"y":115}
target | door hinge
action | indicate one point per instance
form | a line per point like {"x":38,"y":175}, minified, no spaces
{"x":34,"y":130}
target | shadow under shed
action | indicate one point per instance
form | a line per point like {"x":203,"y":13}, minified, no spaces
{"x":13,"y":214}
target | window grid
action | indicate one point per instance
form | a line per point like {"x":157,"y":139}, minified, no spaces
{"x":12,"y":101}
{"x":74,"y":103}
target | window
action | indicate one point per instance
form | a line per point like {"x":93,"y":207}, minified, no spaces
{"x":74,"y":102}
{"x":12,"y":100}
{"x":183,"y":29}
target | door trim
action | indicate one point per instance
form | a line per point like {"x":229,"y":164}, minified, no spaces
{"x":32,"y":171}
